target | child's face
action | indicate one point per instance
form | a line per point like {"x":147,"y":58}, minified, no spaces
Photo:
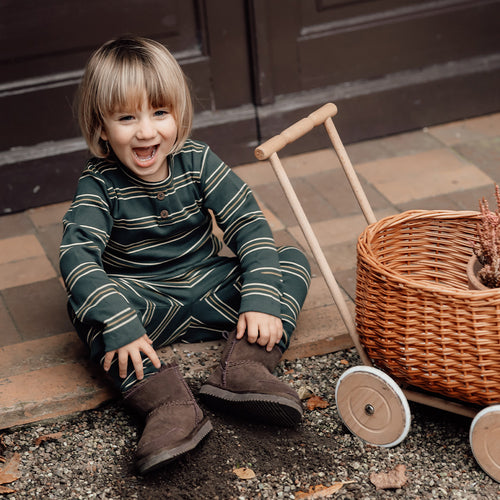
{"x":142,"y":139}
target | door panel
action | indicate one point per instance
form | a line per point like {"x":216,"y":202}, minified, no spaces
{"x":400,"y":36}
{"x":54,"y":36}
{"x":44,"y":56}
{"x":400,"y":56}
{"x":327,"y":42}
{"x":254,"y":67}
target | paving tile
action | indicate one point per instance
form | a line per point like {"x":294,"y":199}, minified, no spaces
{"x":41,"y":353}
{"x":284,"y":238}
{"x":468,"y":130}
{"x":487,"y":125}
{"x":443,"y":202}
{"x":460,"y":200}
{"x":453,"y":133}
{"x":48,"y":393}
{"x":313,"y":204}
{"x":341,"y":256}
{"x":334,"y":187}
{"x":15,"y":225}
{"x":273,"y":197}
{"x":306,"y":164}
{"x":38,"y":309}
{"x":256,"y":174}
{"x":14,"y":274}
{"x":319,"y":294}
{"x":262,"y":172}
{"x":319,"y":331}
{"x":50,"y":238}
{"x":347,"y":281}
{"x":332,"y":231}
{"x":469,"y":199}
{"x":431,"y":173}
{"x":19,"y":247}
{"x":365,"y":151}
{"x":274,"y":222}
{"x":47,"y":378}
{"x":49,"y":214}
{"x":338,"y":230}
{"x":8,"y":332}
{"x":485,"y":154}
{"x":409,"y":143}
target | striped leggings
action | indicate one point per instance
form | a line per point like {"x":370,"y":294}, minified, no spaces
{"x":195,"y":311}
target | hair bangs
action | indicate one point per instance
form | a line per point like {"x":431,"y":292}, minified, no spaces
{"x":121,"y":75}
{"x":126,"y":86}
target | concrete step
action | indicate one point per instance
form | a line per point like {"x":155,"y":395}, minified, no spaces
{"x":51,"y":377}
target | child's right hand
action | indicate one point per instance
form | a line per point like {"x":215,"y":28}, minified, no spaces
{"x":133,"y":351}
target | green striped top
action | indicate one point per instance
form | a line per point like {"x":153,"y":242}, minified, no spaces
{"x":120,"y":226}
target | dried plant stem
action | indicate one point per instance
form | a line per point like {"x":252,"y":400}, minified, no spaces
{"x":487,"y":248}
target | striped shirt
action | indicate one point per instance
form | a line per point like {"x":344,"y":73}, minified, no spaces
{"x":121,"y":227}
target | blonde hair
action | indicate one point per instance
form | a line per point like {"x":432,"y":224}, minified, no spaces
{"x":118,"y":75}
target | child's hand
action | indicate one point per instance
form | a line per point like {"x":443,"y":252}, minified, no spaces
{"x":133,"y":351}
{"x":262,"y":328}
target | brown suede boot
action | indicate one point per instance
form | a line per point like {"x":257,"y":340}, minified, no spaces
{"x":243,"y":384}
{"x":174,"y":422}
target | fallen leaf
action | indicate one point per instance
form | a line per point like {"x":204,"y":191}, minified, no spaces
{"x":244,"y":473}
{"x":5,"y":490}
{"x":344,"y":362}
{"x":394,"y":479}
{"x":10,"y":472}
{"x":48,"y":437}
{"x":316,"y":402}
{"x":321,"y":491}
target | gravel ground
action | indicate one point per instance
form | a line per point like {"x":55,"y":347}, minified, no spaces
{"x":90,"y":455}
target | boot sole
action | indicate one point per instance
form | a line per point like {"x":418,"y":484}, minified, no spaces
{"x":266,"y":408}
{"x":154,"y":462}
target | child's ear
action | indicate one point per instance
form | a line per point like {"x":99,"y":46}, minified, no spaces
{"x":103,"y":134}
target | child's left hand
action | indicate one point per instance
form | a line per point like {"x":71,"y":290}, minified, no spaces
{"x":262,"y":328}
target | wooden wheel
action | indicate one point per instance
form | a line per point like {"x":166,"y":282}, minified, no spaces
{"x":372,"y":406}
{"x":484,"y":440}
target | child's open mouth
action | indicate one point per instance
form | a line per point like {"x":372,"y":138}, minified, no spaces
{"x":145,"y":155}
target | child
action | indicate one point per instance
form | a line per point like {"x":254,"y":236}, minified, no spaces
{"x":141,"y":264}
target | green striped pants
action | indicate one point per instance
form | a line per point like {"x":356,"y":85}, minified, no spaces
{"x":197,"y":310}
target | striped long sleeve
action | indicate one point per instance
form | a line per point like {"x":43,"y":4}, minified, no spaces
{"x":247,"y":234}
{"x":122,"y":228}
{"x":93,"y":296}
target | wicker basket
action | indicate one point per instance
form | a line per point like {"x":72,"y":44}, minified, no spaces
{"x":415,"y":314}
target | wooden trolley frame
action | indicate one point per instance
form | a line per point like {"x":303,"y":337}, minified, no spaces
{"x":269,"y":151}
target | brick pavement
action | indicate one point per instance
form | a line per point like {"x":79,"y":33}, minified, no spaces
{"x":44,"y":372}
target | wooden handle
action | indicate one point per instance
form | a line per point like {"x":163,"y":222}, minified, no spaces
{"x":298,"y":129}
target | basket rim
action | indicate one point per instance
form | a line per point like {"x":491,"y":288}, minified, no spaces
{"x":408,"y":215}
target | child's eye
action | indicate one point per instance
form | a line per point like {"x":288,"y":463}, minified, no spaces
{"x":161,"y":112}
{"x":126,"y":118}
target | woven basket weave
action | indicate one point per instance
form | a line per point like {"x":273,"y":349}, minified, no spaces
{"x":415,"y":314}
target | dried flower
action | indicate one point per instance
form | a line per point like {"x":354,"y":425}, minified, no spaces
{"x":487,"y":248}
